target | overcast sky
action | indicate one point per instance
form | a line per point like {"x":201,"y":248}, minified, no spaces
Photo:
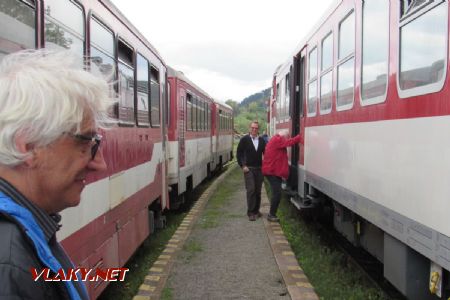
{"x":230,"y":48}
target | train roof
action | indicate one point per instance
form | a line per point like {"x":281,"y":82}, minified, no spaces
{"x":171,"y":72}
{"x":284,"y":68}
{"x":222,"y":104}
{"x":114,"y":10}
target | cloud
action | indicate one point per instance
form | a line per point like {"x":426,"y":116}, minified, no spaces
{"x":231,"y":47}
{"x":221,"y":86}
{"x":244,"y":61}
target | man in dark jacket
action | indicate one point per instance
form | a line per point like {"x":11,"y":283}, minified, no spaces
{"x":276,"y":167}
{"x":50,"y":111}
{"x":249,"y":157}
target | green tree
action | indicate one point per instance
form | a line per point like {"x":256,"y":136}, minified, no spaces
{"x":233,"y":105}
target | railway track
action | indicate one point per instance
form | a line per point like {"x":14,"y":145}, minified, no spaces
{"x":356,"y":257}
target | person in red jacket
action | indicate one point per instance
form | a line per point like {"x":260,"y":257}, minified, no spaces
{"x":276,"y":168}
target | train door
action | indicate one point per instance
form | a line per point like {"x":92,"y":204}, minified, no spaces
{"x":218,"y":134}
{"x":165,"y":125}
{"x":294,"y":124}
{"x":211,"y":134}
{"x":298,"y":121}
{"x":294,"y":111}
{"x":182,"y":120}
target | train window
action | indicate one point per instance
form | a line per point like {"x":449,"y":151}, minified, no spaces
{"x":199,"y":114}
{"x":423,"y":68}
{"x":168,"y":104}
{"x":278,"y":102}
{"x":64,"y":26}
{"x":205,"y":105}
{"x":346,"y":63}
{"x":408,"y":7}
{"x":346,"y":78}
{"x":209,"y":116}
{"x":282,"y":99}
{"x":201,"y":111}
{"x":206,"y":116}
{"x":327,"y":52}
{"x":154,"y":97}
{"x":312,"y":98}
{"x":198,"y":110}
{"x":347,"y":36}
{"x":326,"y":85}
{"x":326,"y":77}
{"x":102,"y":46}
{"x":375,"y":51}
{"x":189,"y":112}
{"x":194,"y":114}
{"x":312,"y":73}
{"x":312,"y":83}
{"x":142,"y":91}
{"x":223,"y":120}
{"x":17,"y":26}
{"x":205,"y":120}
{"x":226,"y":121}
{"x":126,"y":84}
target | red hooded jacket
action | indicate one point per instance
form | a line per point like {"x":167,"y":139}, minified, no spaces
{"x":275,"y":160}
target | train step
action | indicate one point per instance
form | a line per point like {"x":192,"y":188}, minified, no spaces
{"x":290,"y":192}
{"x":301,"y":203}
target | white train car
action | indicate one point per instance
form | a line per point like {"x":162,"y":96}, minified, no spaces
{"x":190,"y":139}
{"x":222,"y":134}
{"x":369,"y":90}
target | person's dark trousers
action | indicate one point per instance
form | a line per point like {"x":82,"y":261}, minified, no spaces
{"x":253,"y":184}
{"x":275,"y":187}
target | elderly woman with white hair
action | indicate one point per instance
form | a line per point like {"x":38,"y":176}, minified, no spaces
{"x":276,"y":168}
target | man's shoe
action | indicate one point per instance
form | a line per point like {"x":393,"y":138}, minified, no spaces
{"x":258,"y":215}
{"x":272,"y":218}
{"x":252,"y":218}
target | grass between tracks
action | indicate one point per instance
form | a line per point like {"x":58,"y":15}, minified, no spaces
{"x":328,"y":270}
{"x":213,"y":210}
{"x":142,"y":261}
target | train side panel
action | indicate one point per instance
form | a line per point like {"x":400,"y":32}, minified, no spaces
{"x":374,"y":126}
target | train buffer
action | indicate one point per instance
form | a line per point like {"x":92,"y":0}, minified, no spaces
{"x":218,"y":253}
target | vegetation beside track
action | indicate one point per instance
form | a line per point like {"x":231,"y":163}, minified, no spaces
{"x":327,"y":268}
{"x":143,"y":259}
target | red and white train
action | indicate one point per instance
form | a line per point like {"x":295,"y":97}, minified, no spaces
{"x":161,"y":142}
{"x":200,"y":135}
{"x":369,"y":89}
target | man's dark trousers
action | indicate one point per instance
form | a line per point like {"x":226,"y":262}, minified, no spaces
{"x":253,"y":183}
{"x":275,"y":186}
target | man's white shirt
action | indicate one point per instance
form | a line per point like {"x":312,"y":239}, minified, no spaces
{"x":255,"y":141}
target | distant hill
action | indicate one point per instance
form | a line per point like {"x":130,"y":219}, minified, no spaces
{"x":257,"y":97}
{"x":253,"y":107}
